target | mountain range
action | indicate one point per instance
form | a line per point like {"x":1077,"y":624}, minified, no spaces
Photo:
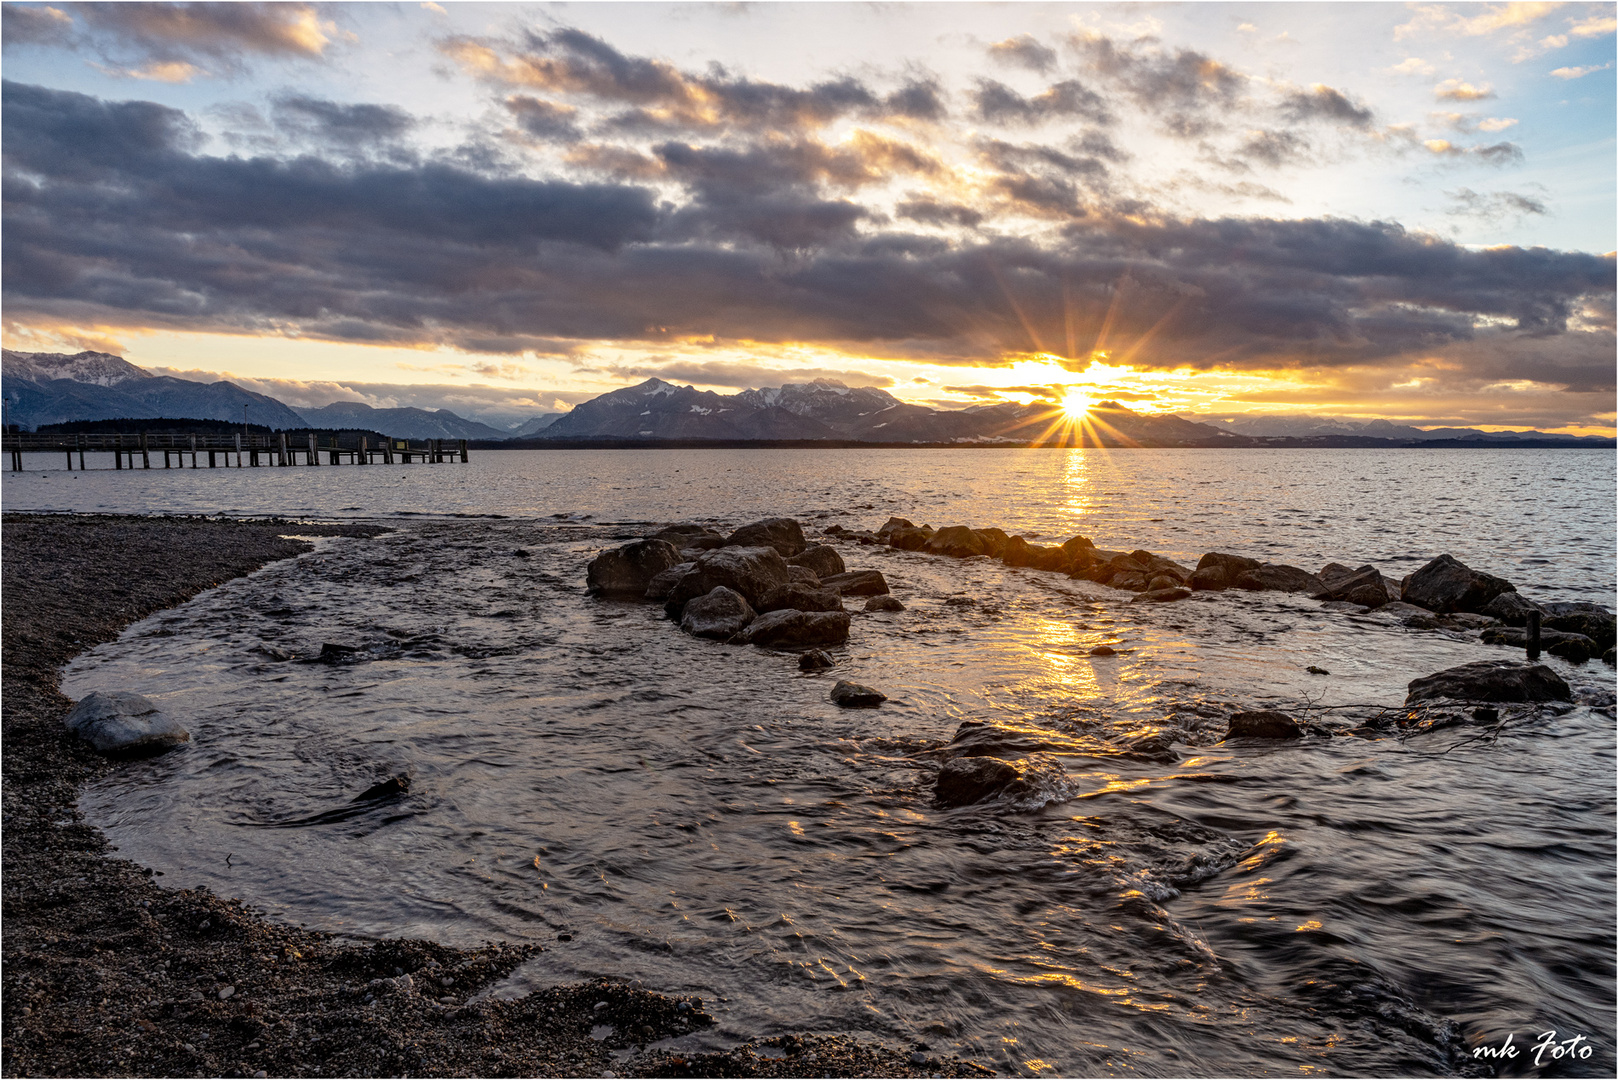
{"x":44,"y":388}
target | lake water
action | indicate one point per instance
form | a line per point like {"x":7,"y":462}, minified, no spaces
{"x":701,"y":818}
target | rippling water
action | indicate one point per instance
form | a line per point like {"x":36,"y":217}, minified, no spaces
{"x":700,"y":817}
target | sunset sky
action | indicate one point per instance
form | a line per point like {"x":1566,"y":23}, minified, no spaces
{"x":1370,"y":210}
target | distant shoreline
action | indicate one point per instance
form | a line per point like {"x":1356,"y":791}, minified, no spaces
{"x":1347,"y":442}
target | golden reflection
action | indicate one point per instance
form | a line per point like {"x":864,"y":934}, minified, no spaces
{"x":1246,"y":892}
{"x":1312,"y":924}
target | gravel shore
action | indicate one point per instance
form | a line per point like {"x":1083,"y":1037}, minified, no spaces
{"x":107,"y":973}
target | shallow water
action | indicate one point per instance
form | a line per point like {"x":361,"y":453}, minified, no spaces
{"x":699,"y":816}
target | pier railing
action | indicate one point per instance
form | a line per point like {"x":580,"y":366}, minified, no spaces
{"x":253,"y":449}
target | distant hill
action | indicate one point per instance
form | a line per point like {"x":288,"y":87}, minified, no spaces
{"x":407,"y":423}
{"x":48,"y":388}
{"x":529,"y":428}
{"x":162,"y":425}
{"x":1303,"y":426}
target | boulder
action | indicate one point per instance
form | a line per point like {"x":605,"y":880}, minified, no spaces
{"x":857,"y":583}
{"x":851,"y":695}
{"x":385,"y":789}
{"x":1446,"y":584}
{"x":1217,"y":571}
{"x":802,"y":575}
{"x":1264,"y":724}
{"x":1511,"y":608}
{"x":1575,"y":648}
{"x":751,"y":571}
{"x":782,"y":534}
{"x":1162,"y":581}
{"x":815,"y":660}
{"x":1103,"y":650}
{"x":1130,"y":580}
{"x":721,"y":614}
{"x":1019,"y":552}
{"x":1106,"y":565}
{"x":968,"y":780}
{"x":1491,"y":680}
{"x":883,"y":603}
{"x":663,"y":581}
{"x":787,"y":628}
{"x":823,"y":559}
{"x":958,"y":542}
{"x":796,"y":597}
{"x":1158,"y":566}
{"x":692,"y":537}
{"x":911,"y":539}
{"x":1398,"y":609}
{"x":1275,"y":577}
{"x":121,"y":724}
{"x":1363,"y":586}
{"x":1591,"y":620}
{"x":893,"y":524}
{"x":1162,"y":594}
{"x":628,"y":570}
{"x":993,"y":539}
{"x":1610,"y":657}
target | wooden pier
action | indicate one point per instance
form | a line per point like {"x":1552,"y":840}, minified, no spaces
{"x":251,"y":451}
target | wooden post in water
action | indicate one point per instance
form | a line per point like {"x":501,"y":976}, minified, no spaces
{"x":193,"y":454}
{"x":118,"y":453}
{"x":463,"y":452}
{"x":314,"y":455}
{"x":238,"y":452}
{"x":145,"y":453}
{"x":1533,"y":635}
{"x":82,"y":440}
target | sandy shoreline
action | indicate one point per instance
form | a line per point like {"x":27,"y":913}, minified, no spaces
{"x":107,"y":973}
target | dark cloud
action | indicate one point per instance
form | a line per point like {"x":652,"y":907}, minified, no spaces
{"x":1324,"y":103}
{"x":544,"y":119}
{"x":1493,"y":206}
{"x":337,"y":124}
{"x":1011,"y":157}
{"x":1272,"y":148}
{"x":1189,"y":91}
{"x":113,"y":218}
{"x":998,"y":103}
{"x":917,"y":100}
{"x":35,"y":25}
{"x":1024,"y":51}
{"x":932,"y":212}
{"x":174,"y":42}
{"x":739,"y":376}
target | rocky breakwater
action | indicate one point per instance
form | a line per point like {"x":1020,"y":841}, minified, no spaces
{"x":1445,"y":595}
{"x":764,"y":584}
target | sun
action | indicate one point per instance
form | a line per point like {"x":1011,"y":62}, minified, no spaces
{"x":1075,"y":404}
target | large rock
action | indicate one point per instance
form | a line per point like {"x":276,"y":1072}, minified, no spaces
{"x":958,"y":542}
{"x":1162,"y":595}
{"x":1491,"y":680}
{"x":892,"y":524}
{"x":663,"y":581}
{"x":857,"y":583}
{"x":1264,"y":724}
{"x":802,"y":575}
{"x":853,"y":695}
{"x":1364,"y":586}
{"x":1217,"y":571}
{"x":883,"y":603}
{"x":782,"y":534}
{"x":1575,"y":647}
{"x":722,"y":613}
{"x":993,"y":539}
{"x":968,"y":780}
{"x":788,"y":628}
{"x":1105,"y":565}
{"x":1511,"y":608}
{"x":690,"y":537}
{"x":628,"y":570}
{"x":751,"y":571}
{"x":1276,"y":577}
{"x":1019,"y":552}
{"x":121,"y":724}
{"x":1158,"y":566}
{"x":1446,"y":584}
{"x":1592,"y":620}
{"x":910,"y":539}
{"x":797,"y":597}
{"x":823,"y":559}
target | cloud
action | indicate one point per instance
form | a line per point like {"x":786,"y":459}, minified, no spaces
{"x":31,"y":25}
{"x":1187,"y":89}
{"x":1272,"y":148}
{"x":1024,"y":51}
{"x":1412,"y":65}
{"x":115,"y":218}
{"x":1579,"y":72}
{"x":497,"y":406}
{"x":335,"y":124}
{"x":1598,"y":25}
{"x":999,"y":104}
{"x":1321,"y":102}
{"x":1493,"y":206}
{"x":1503,"y":153}
{"x":1493,"y":17}
{"x":739,"y":376}
{"x":544,"y":120}
{"x":1456,"y":90}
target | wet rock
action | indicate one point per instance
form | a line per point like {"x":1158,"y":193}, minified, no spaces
{"x":994,"y":540}
{"x":815,"y":660}
{"x":1364,"y":586}
{"x":1158,"y":566}
{"x":1103,"y":650}
{"x":333,"y":653}
{"x":1466,"y":620}
{"x":857,"y":583}
{"x":967,"y":780}
{"x":1511,"y":608}
{"x":1343,"y":605}
{"x":1491,"y":680}
{"x":802,"y":575}
{"x":1129,"y":580}
{"x":1105,"y":565}
{"x":910,"y":539}
{"x":1315,"y":669}
{"x":1446,"y":584}
{"x":782,"y":534}
{"x":1398,"y":609}
{"x":271,"y":652}
{"x":957,"y":542}
{"x":1217,"y":571}
{"x":1575,"y":648}
{"x":751,"y":571}
{"x":1516,"y":637}
{"x":720,"y":613}
{"x":690,"y":537}
{"x":628,"y":570}
{"x":1592,"y":620}
{"x":893,"y":524}
{"x":788,"y":628}
{"x":1276,"y":577}
{"x":851,"y":695}
{"x":1081,"y":554}
{"x":797,"y":597}
{"x":387,"y":789}
{"x":1162,"y":594}
{"x":663,"y":581}
{"x":823,"y":559}
{"x":1610,"y":657}
{"x":883,"y":603}
{"x":120,"y":724}
{"x":1263,"y":724}
{"x":1019,"y":552}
